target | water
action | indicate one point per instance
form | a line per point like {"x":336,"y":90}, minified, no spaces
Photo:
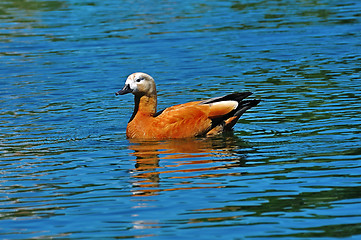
{"x":291,"y":168}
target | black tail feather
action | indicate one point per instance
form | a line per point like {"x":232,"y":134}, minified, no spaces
{"x":245,"y":105}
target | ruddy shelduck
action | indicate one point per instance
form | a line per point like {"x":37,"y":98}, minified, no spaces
{"x":199,"y":118}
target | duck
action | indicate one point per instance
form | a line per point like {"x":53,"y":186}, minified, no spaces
{"x":193,"y":119}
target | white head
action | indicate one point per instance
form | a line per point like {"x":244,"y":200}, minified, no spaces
{"x":139,"y":84}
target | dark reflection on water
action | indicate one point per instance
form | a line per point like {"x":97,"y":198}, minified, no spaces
{"x":184,"y":160}
{"x":290,"y":170}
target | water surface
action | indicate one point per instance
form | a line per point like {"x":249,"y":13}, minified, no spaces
{"x":291,"y":168}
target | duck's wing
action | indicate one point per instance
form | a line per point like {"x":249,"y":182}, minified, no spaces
{"x":200,"y":117}
{"x":222,"y":104}
{"x":183,"y":120}
{"x":229,"y":119}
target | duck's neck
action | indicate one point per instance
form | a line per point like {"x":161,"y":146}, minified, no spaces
{"x":145,"y":105}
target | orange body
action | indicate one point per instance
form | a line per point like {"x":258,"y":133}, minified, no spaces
{"x":180,"y":121}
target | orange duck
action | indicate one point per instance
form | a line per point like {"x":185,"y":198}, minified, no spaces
{"x":199,"y":118}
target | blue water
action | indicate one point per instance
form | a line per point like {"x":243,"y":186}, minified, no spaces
{"x":290,"y":170}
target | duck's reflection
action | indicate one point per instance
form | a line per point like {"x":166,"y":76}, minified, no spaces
{"x":181,"y":162}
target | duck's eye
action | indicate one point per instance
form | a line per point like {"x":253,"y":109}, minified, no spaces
{"x":139,"y":79}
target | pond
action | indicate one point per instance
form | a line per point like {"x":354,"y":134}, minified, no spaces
{"x":290,"y":169}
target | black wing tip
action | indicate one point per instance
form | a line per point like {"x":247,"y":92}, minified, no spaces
{"x":255,"y":102}
{"x":251,"y":103}
{"x":245,"y":105}
{"x":236,"y":96}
